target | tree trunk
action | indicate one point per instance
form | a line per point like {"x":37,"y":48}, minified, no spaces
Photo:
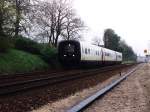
{"x":56,"y":41}
{"x":1,"y":29}
{"x":18,"y":14}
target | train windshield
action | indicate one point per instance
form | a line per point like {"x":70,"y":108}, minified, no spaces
{"x":69,"y":48}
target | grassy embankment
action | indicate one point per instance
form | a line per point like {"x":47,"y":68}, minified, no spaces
{"x":20,"y":61}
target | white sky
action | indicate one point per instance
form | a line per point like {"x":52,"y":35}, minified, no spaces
{"x":130,"y":19}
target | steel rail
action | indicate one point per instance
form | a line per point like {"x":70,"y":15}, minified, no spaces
{"x":23,"y":85}
{"x":85,"y":103}
{"x":61,"y":74}
{"x":28,"y":74}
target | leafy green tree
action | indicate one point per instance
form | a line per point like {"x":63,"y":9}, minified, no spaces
{"x":127,"y":51}
{"x":6,"y":25}
{"x":21,"y":8}
{"x":6,"y":17}
{"x":111,"y":39}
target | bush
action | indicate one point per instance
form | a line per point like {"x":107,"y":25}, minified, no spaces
{"x":27,"y":45}
{"x":49,"y":54}
{"x":20,"y":61}
{"x":46,"y":52}
{"x":5,"y":43}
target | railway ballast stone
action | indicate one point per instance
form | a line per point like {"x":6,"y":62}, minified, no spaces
{"x":132,"y":95}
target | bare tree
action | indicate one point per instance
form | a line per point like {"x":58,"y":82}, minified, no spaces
{"x":56,"y":19}
{"x":97,"y":41}
{"x":73,"y":27}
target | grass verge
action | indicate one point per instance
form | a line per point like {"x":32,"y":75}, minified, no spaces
{"x":19,"y":61}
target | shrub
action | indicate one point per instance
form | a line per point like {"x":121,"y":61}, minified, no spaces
{"x":49,"y":54}
{"x":27,"y":45}
{"x":20,"y":61}
{"x":5,"y":43}
{"x":46,"y":52}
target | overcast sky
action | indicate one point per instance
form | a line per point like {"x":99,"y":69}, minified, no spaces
{"x":130,"y":19}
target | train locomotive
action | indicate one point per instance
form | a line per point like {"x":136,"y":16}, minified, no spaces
{"x":75,"y":53}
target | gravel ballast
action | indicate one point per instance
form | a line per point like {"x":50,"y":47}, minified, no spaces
{"x":36,"y":98}
{"x":65,"y":104}
{"x":132,"y":95}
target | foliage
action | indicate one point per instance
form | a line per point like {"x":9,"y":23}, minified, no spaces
{"x":28,"y":45}
{"x":114,"y":42}
{"x":19,"y":61}
{"x":49,"y":54}
{"x":127,"y":51}
{"x":21,"y":8}
{"x":44,"y":20}
{"x":6,"y":17}
{"x":45,"y":51}
{"x":12,"y":15}
{"x":5,"y":43}
{"x":111,"y":40}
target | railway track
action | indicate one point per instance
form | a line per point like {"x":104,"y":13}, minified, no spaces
{"x":88,"y":101}
{"x":8,"y":85}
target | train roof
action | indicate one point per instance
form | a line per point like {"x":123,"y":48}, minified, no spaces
{"x":88,"y":43}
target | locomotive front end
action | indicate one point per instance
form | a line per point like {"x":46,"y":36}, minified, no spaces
{"x":69,"y":53}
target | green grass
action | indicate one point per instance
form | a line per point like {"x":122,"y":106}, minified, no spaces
{"x":128,"y":62}
{"x":20,"y":61}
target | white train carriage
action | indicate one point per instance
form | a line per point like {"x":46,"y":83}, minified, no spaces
{"x":109,"y":56}
{"x":119,"y":57}
{"x":90,"y":53}
{"x":141,"y":59}
{"x":75,"y":53}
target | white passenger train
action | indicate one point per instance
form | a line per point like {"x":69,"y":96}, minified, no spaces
{"x":141,"y":59}
{"x":73,"y":52}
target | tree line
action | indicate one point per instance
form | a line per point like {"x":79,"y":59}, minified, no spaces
{"x":46,"y":21}
{"x":114,"y":42}
{"x":49,"y":21}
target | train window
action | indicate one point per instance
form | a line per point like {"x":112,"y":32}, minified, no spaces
{"x":86,"y":51}
{"x":82,"y":50}
{"x":69,"y":48}
{"x":89,"y":51}
{"x":97,"y":53}
{"x":107,"y":54}
{"x":119,"y":56}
